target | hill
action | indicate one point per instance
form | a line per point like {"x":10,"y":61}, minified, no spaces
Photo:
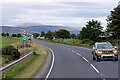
{"x":32,"y":28}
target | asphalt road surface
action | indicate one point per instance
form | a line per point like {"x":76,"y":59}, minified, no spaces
{"x":76,"y":62}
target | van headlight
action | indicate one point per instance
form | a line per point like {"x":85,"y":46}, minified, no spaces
{"x":100,"y":52}
{"x":115,"y":51}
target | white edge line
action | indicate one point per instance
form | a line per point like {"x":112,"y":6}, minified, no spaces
{"x":85,"y":59}
{"x":53,"y":60}
{"x":95,"y":68}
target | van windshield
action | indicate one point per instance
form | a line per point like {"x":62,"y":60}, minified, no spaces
{"x":104,"y":46}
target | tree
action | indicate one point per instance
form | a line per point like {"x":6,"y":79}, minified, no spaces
{"x":3,"y":34}
{"x":7,"y":34}
{"x":13,"y":35}
{"x":35,"y":35}
{"x":113,"y":20}
{"x":42,"y":33}
{"x":54,"y":34}
{"x":92,"y":31}
{"x":62,"y":33}
{"x":49,"y":35}
{"x":73,"y":36}
{"x":18,"y":35}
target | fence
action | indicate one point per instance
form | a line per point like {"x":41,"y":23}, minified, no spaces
{"x":12,"y":65}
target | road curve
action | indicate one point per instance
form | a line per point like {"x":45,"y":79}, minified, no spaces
{"x":76,"y":62}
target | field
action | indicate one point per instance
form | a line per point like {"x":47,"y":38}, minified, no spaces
{"x":68,"y":41}
{"x":9,"y":41}
{"x":71,"y":42}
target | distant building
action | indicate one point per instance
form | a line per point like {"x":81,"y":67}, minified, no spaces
{"x":40,"y":37}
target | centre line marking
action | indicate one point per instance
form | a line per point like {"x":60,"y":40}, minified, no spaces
{"x":94,"y":68}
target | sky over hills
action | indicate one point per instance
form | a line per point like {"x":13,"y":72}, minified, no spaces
{"x":68,"y":13}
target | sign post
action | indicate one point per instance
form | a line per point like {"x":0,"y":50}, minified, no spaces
{"x":24,"y":36}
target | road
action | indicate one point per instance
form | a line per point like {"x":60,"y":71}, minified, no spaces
{"x":76,"y":62}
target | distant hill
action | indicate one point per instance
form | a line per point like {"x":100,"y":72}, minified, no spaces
{"x":11,"y":29}
{"x":32,"y":28}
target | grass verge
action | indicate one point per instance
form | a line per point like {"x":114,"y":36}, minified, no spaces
{"x":31,"y":66}
{"x":31,"y":70}
{"x":20,"y":67}
{"x":78,"y":45}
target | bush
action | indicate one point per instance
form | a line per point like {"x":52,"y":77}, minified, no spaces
{"x":11,"y":52}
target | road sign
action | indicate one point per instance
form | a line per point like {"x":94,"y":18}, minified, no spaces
{"x":24,"y":32}
{"x":32,"y":37}
{"x":24,"y":36}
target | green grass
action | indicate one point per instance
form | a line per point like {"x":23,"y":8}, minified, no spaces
{"x":9,"y":41}
{"x":72,"y":41}
{"x":20,"y":67}
{"x":32,"y":69}
{"x":118,"y":50}
{"x":69,"y":42}
{"x":0,"y":43}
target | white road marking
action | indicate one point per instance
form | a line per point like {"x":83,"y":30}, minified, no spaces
{"x":85,"y":59}
{"x":73,"y":51}
{"x":53,"y":60}
{"x":89,"y":63}
{"x":94,"y":68}
{"x":77,"y":53}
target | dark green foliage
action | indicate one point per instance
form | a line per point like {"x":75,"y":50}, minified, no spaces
{"x":35,"y":35}
{"x":42,"y":33}
{"x":7,"y":34}
{"x":3,"y":34}
{"x":49,"y":35}
{"x":92,"y":31}
{"x":62,"y":33}
{"x":18,"y":35}
{"x":73,"y":36}
{"x":13,"y":35}
{"x":10,"y":52}
{"x":113,"y":26}
{"x":87,"y":41}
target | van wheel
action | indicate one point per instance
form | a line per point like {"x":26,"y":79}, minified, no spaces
{"x":116,"y":59}
{"x":98,"y":59}
{"x":93,"y":57}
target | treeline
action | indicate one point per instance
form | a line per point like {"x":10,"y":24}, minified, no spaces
{"x":62,"y":33}
{"x":10,"y":35}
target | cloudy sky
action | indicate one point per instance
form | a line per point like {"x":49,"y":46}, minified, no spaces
{"x":73,"y":13}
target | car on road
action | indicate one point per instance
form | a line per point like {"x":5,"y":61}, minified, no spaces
{"x":104,"y":50}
